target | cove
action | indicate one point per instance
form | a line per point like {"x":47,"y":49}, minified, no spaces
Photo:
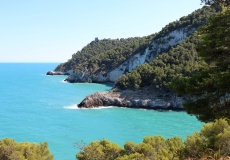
{"x":37,"y":108}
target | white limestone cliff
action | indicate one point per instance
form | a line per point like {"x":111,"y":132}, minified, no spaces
{"x":158,"y":46}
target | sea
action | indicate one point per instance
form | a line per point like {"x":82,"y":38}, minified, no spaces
{"x":38,"y":108}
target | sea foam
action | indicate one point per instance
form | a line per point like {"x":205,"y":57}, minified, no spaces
{"x":76,"y":107}
{"x":72,"y":107}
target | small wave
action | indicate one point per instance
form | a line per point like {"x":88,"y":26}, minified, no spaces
{"x":103,"y":107}
{"x":63,"y":81}
{"x":76,"y":107}
{"x":72,"y":107}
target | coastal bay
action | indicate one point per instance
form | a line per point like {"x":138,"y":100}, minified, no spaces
{"x":37,"y":108}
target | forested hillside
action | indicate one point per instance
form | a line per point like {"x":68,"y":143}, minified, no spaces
{"x":208,"y":90}
{"x":104,"y":55}
{"x":179,"y":61}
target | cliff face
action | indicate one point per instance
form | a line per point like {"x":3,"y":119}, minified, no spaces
{"x":157,"y":47}
{"x":145,"y":98}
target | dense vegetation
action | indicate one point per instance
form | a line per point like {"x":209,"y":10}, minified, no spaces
{"x":209,"y":89}
{"x":179,"y":61}
{"x":11,"y":150}
{"x":216,"y":2}
{"x":213,"y":142}
{"x":105,"y":55}
{"x":198,"y":67}
{"x":193,"y":20}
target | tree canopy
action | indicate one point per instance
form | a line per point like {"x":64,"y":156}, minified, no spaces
{"x":219,"y":5}
{"x":11,"y":150}
{"x":180,"y":60}
{"x":106,"y":54}
{"x":216,"y":2}
{"x":208,"y":91}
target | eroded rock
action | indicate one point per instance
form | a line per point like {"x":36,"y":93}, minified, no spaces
{"x":144,"y":98}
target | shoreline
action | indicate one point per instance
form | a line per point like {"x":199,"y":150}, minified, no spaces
{"x":145,"y":98}
{"x":144,"y":108}
{"x":149,"y":98}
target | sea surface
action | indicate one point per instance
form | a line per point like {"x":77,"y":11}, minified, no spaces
{"x":38,"y":108}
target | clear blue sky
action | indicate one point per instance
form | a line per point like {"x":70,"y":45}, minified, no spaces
{"x":52,"y":30}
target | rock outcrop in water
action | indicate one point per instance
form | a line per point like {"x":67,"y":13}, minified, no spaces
{"x":59,"y":73}
{"x":148,"y":98}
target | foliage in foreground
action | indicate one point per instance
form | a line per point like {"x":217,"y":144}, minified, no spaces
{"x":213,"y":142}
{"x":11,"y":150}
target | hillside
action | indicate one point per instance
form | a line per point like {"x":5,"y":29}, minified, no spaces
{"x":105,"y":60}
{"x":104,"y":55}
{"x":146,"y":86}
{"x":181,"y":60}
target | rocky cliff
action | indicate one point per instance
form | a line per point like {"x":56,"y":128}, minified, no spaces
{"x":157,"y":47}
{"x":147,"y":98}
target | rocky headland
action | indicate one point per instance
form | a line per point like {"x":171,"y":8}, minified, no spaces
{"x":163,"y":56}
{"x":155,"y":48}
{"x":146,"y":98}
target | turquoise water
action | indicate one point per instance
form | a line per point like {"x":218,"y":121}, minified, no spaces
{"x":37,"y":108}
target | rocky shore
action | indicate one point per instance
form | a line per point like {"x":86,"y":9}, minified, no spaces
{"x":58,"y":72}
{"x":147,"y":98}
{"x":52,"y":73}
